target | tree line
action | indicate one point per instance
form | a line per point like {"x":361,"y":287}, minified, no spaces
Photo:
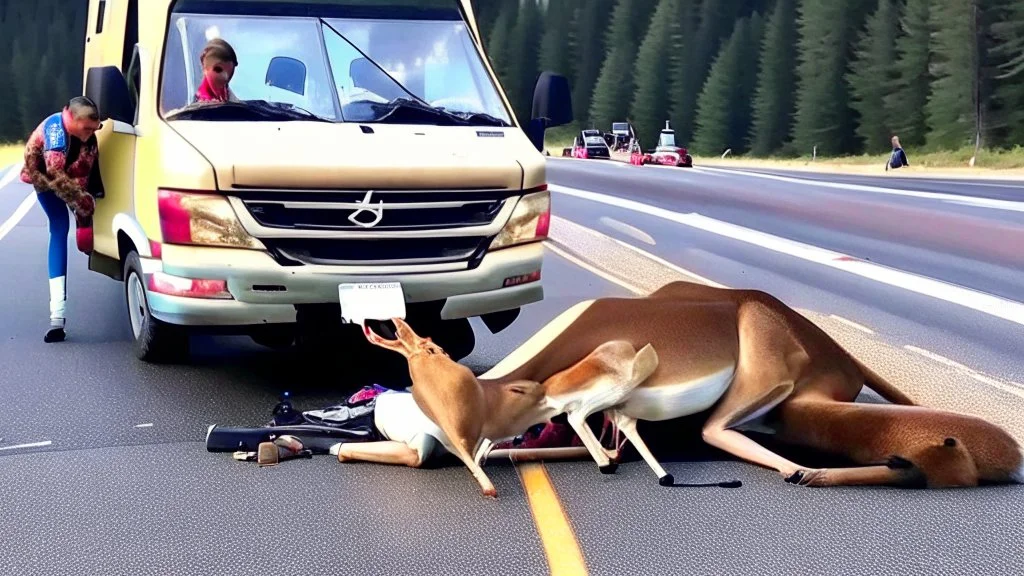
{"x":766,"y":77}
{"x":42,"y":46}
{"x":774,"y":77}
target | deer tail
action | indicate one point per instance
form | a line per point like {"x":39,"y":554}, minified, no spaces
{"x":882,"y":386}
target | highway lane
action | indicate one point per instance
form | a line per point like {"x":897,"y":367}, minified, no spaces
{"x":88,"y":500}
{"x":968,"y":245}
{"x":994,"y":189}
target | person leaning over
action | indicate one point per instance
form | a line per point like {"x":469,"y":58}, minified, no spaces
{"x":62,"y":164}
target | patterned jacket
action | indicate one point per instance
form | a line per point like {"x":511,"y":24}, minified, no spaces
{"x":57,"y":161}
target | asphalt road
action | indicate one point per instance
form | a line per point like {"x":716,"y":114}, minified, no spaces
{"x":124,"y":485}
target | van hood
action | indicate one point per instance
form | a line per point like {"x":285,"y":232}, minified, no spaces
{"x":315,"y":155}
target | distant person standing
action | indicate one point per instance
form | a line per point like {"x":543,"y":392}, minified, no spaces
{"x":898,"y":159}
{"x":61,"y":163}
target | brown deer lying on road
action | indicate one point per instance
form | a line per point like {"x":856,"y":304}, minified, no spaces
{"x":744,"y":353}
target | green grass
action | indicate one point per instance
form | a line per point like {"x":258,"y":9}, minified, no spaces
{"x":987,"y":159}
{"x":10,"y":154}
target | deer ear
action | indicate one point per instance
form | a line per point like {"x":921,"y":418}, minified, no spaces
{"x":645,"y":363}
{"x":395,"y":345}
{"x":405,"y":332}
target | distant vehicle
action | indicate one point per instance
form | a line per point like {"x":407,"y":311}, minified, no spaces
{"x":667,"y":153}
{"x":622,"y":133}
{"x":588,"y":144}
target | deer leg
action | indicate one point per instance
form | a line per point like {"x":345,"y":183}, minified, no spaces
{"x":578,"y":421}
{"x":628,"y":427}
{"x":609,"y":423}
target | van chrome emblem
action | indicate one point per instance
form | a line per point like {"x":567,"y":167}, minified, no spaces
{"x":377,"y":213}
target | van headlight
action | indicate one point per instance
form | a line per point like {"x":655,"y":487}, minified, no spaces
{"x":201,"y":219}
{"x":530,"y":221}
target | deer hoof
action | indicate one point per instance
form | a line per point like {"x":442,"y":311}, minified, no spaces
{"x":490,"y":493}
{"x":609,"y":468}
{"x":796,"y":478}
{"x":666,"y":480}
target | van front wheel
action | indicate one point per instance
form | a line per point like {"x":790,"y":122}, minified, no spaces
{"x":153,"y":340}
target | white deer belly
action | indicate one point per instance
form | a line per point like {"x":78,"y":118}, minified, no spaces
{"x":677,"y":400}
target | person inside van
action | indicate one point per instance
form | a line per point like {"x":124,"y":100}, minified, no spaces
{"x":219,"y":62}
{"x":61,"y":163}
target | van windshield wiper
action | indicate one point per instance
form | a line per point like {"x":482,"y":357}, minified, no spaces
{"x":394,"y":111}
{"x":248,"y":110}
{"x":374,"y":62}
{"x":406,"y":111}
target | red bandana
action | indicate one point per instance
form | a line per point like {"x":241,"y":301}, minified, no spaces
{"x":207,"y":93}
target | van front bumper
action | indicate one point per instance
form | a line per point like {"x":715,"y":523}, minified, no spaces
{"x":264,"y":292}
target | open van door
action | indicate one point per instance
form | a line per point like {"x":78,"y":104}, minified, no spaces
{"x":116,"y":92}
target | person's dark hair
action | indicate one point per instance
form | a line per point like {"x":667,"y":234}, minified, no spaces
{"x":83,"y":107}
{"x":219,"y":49}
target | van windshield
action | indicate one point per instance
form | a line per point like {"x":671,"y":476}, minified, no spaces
{"x":334,"y":62}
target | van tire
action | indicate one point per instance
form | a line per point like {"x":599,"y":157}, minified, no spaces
{"x":154,"y":341}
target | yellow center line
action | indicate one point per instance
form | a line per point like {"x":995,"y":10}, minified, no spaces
{"x":556,"y":534}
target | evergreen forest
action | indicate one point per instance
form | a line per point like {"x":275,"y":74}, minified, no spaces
{"x":757,"y":77}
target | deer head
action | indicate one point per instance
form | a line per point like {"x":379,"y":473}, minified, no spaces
{"x":447,"y":392}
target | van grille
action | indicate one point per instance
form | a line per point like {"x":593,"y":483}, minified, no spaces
{"x":400,"y":210}
{"x":356,"y":252}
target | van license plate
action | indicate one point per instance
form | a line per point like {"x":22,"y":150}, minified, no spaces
{"x":371,"y":301}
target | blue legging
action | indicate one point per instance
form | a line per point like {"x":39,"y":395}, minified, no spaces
{"x":57,"y":212}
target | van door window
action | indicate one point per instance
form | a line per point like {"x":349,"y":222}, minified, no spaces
{"x":100,"y":14}
{"x":257,"y":42}
{"x":131,"y":35}
{"x":133,"y":76}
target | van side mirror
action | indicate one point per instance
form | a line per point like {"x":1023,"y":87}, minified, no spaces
{"x":107,"y":87}
{"x":552,"y":106}
{"x":287,"y":74}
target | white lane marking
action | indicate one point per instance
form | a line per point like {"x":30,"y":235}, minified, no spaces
{"x":22,"y":209}
{"x":937,"y":357}
{"x":939,"y":196}
{"x":1008,"y":388}
{"x":147,"y":425}
{"x":649,"y":256}
{"x":852,"y":324}
{"x":628,"y":230}
{"x":592,"y":269}
{"x":20,"y":213}
{"x":966,"y":297}
{"x":960,"y":182}
{"x":32,"y":445}
{"x":9,"y":177}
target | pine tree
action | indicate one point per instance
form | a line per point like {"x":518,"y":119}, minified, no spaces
{"x":717,"y":18}
{"x":554,"y":45}
{"x":870,"y":77}
{"x":8,"y":124}
{"x":911,"y":82}
{"x":497,"y":42}
{"x":587,"y":40}
{"x":615,"y":83}
{"x":524,"y":46}
{"x":742,"y":117}
{"x":683,"y":64}
{"x":718,"y":99}
{"x":823,"y":116}
{"x":776,"y":82}
{"x":1008,"y":36}
{"x":650,"y":97}
{"x":953,"y":109}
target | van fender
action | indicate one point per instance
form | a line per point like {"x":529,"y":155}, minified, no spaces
{"x":124,"y":222}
